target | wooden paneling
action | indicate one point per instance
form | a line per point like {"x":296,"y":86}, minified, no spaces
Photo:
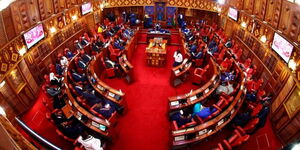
{"x":285,"y":17}
{"x":273,"y":12}
{"x":33,"y":11}
{"x":260,"y":8}
{"x":8,"y":23}
{"x":248,"y":6}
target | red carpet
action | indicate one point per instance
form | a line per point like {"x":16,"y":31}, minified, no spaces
{"x":144,"y":124}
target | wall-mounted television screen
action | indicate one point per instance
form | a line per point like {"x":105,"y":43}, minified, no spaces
{"x":86,"y":8}
{"x":233,"y":13}
{"x":282,"y":47}
{"x":34,"y":35}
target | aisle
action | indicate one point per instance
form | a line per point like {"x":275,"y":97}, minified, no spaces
{"x":145,"y":124}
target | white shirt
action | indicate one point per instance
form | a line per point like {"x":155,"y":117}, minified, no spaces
{"x":91,"y":143}
{"x":178,"y":57}
{"x":64,"y":61}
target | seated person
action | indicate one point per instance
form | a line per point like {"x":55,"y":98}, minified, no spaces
{"x":59,"y":69}
{"x":111,"y":64}
{"x":83,"y":41}
{"x":78,"y":45}
{"x":63,"y":61}
{"x":95,"y":47}
{"x":78,"y":77}
{"x":178,"y":58}
{"x":68,"y":53}
{"x":80,"y":63}
{"x":198,"y":54}
{"x":226,"y":88}
{"x":91,"y":98}
{"x":205,"y":111}
{"x":227,"y":76}
{"x":228,"y":44}
{"x":251,"y":96}
{"x":85,"y":57}
{"x":193,"y":48}
{"x":118,"y":45}
{"x":263,"y":114}
{"x":71,"y":128}
{"x":197,"y":108}
{"x":54,"y":80}
{"x":242,"y":119}
{"x":58,"y":117}
{"x":181,"y":117}
{"x":106,"y":110}
{"x":89,"y":142}
{"x":52,"y":91}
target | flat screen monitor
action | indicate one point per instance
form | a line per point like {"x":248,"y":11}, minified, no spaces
{"x":34,"y":35}
{"x":282,"y":47}
{"x":86,"y":8}
{"x":233,"y":13}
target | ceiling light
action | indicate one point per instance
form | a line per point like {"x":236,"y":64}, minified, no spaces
{"x":243,"y":24}
{"x":22,"y":51}
{"x":293,"y":65}
{"x":221,"y":2}
{"x":52,"y":29}
{"x":2,"y":112}
{"x":263,"y":39}
{"x":5,"y":3}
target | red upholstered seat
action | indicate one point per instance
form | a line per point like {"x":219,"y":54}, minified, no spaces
{"x":220,"y":147}
{"x":199,"y":75}
{"x":256,"y":110}
{"x":250,"y":126}
{"x":198,"y":62}
{"x":110,"y":72}
{"x":111,"y":119}
{"x":192,"y":123}
{"x":63,"y":136}
{"x":114,"y":53}
{"x":82,"y":101}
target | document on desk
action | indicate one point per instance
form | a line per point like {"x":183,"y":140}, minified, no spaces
{"x":174,"y":103}
{"x":220,"y":122}
{"x":202,"y":132}
{"x":111,"y":94}
{"x":232,"y":111}
{"x":102,"y":127}
{"x":179,"y":138}
{"x":193,"y":98}
{"x":100,"y":87}
{"x":95,"y":124}
{"x":206,"y":91}
{"x":177,"y":71}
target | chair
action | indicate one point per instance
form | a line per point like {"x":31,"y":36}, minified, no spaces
{"x":110,"y":72}
{"x":220,"y":147}
{"x":190,"y":124}
{"x":198,"y":62}
{"x":111,"y":119}
{"x":222,"y":103}
{"x":82,"y":101}
{"x":238,"y":138}
{"x":63,"y":136}
{"x":47,"y":79}
{"x":199,"y":77}
{"x":48,"y":116}
{"x":114,"y":53}
{"x":256,"y":110}
{"x":219,"y":110}
{"x":250,"y":126}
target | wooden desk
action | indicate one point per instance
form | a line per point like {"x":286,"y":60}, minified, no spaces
{"x":67,"y":110}
{"x":155,"y":55}
{"x":180,"y":73}
{"x":198,"y":95}
{"x":94,"y":70}
{"x":73,"y":108}
{"x":202,"y":131}
{"x":126,"y":67}
{"x":165,"y":36}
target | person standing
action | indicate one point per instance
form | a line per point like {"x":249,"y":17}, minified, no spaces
{"x":89,"y":142}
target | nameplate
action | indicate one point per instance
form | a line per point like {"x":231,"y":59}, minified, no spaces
{"x":179,"y":138}
{"x":232,"y":111}
{"x":95,"y":124}
{"x":100,"y":87}
{"x":174,"y":103}
{"x":70,"y":103}
{"x":177,"y":71}
{"x":193,"y":98}
{"x":111,"y":94}
{"x":202,"y":132}
{"x":179,"y":131}
{"x":220,"y":122}
{"x":206,"y":91}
